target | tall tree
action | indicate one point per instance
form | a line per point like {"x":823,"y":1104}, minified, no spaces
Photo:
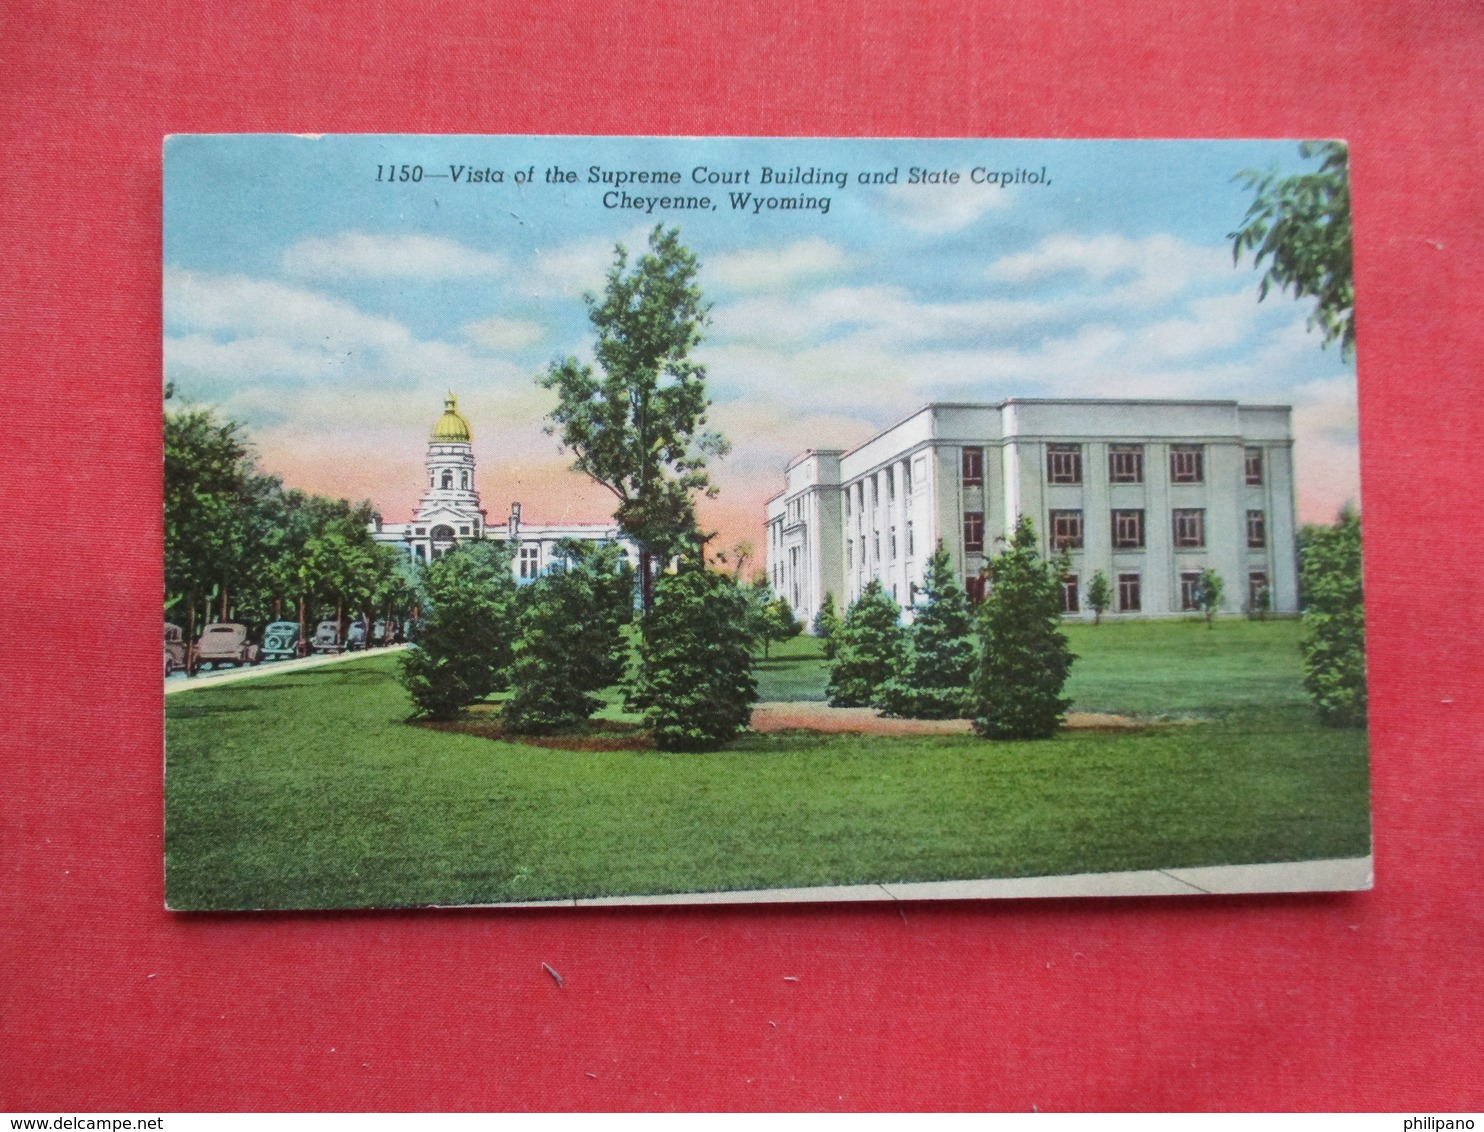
{"x":208,"y":465}
{"x":1024,"y":658}
{"x":937,"y":678}
{"x":695,"y":675}
{"x":635,"y":425}
{"x":868,"y":648}
{"x":464,"y":647}
{"x":1300,"y":227}
{"x":570,"y":639}
{"x":1334,"y":621}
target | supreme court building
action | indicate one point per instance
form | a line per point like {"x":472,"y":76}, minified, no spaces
{"x":1149,"y":492}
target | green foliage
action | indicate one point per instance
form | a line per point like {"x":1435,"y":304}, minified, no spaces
{"x":1099,"y":596}
{"x":208,"y":470}
{"x":464,"y":647}
{"x":1301,"y":226}
{"x":868,"y":648}
{"x":936,"y":680}
{"x":635,"y":425}
{"x":827,"y":624}
{"x":570,"y":639}
{"x":1333,"y":645}
{"x":695,"y":677}
{"x":1208,"y":593}
{"x":1024,"y":658}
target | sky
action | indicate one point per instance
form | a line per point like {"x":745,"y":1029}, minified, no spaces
{"x":328,"y":291}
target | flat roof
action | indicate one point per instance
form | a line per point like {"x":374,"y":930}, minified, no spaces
{"x":1046,"y":401}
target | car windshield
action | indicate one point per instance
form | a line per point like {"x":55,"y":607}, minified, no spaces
{"x":222,"y":629}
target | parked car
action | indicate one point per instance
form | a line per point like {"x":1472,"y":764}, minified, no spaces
{"x":383,"y":633}
{"x":281,"y":640}
{"x":327,"y":638}
{"x":355,"y":640}
{"x":224,"y":643}
{"x":176,"y":652}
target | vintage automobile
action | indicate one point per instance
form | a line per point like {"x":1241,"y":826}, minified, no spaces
{"x":383,"y":633}
{"x":176,"y":653}
{"x":281,"y":640}
{"x":355,"y":638}
{"x":327,"y":638}
{"x":224,"y":643}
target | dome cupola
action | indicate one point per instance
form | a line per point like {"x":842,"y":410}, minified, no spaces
{"x":452,"y":428}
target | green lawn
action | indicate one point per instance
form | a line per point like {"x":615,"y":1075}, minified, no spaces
{"x":309,"y":789}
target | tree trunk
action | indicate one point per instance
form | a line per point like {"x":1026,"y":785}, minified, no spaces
{"x":646,"y":580}
{"x":302,"y":648}
{"x":278,"y":609}
{"x":224,"y":601}
{"x":340,"y":619}
{"x":190,"y":634}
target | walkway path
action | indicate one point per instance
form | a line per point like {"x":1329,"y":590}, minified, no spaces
{"x":183,"y":683}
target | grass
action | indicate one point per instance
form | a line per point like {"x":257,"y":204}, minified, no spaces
{"x":310,"y":790}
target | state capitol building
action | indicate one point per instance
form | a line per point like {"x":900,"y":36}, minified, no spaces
{"x":450,"y":511}
{"x":1150,"y":493}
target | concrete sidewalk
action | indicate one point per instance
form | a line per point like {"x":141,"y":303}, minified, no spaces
{"x":268,"y":668}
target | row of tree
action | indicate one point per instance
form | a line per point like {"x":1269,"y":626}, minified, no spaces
{"x":1003,"y":664}
{"x":556,"y":642}
{"x":240,"y":546}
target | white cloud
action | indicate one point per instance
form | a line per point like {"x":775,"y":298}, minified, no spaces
{"x":777,"y":269}
{"x":1144,"y":272}
{"x":261,"y":347}
{"x":506,"y":333}
{"x":570,"y":270}
{"x":357,"y":255}
{"x":943,"y":208}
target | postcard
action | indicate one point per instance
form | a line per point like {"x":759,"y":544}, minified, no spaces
{"x":586,"y":520}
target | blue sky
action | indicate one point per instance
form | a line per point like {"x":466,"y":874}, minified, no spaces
{"x":329,"y":311}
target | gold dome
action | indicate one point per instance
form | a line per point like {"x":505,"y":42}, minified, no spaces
{"x":451,"y":426}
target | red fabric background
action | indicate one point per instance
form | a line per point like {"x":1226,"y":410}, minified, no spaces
{"x":107,"y":1002}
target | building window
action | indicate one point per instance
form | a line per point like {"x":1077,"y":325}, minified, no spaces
{"x":1128,"y":530}
{"x":464,"y":480}
{"x":911,"y":550}
{"x":1069,"y":594}
{"x":906,"y":478}
{"x":530,"y":560}
{"x":1257,"y":530}
{"x":1254,"y":467}
{"x":1129,"y":600}
{"x":1190,"y":527}
{"x":463,"y":530}
{"x":448,"y":480}
{"x":1128,"y":595}
{"x":1064,"y":463}
{"x":1066,"y":530}
{"x":891,"y":485}
{"x":973,"y":467}
{"x":876,"y":546}
{"x":1187,"y":464}
{"x":1257,"y":591}
{"x":974,"y":531}
{"x":1190,"y":589}
{"x":894,"y":544}
{"x":848,"y":494}
{"x":974,"y":588}
{"x":1126,"y":463}
{"x":850,"y":554}
{"x":422,"y":530}
{"x":875,"y":492}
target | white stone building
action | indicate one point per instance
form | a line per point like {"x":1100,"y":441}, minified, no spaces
{"x":1148,"y":492}
{"x":450,"y":511}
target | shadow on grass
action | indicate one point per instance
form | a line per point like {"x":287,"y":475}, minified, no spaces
{"x":201,"y":711}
